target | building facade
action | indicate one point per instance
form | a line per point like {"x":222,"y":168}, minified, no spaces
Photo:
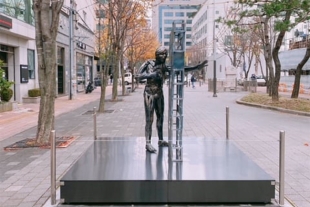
{"x":18,"y":48}
{"x":209,"y":39}
{"x":165,"y":12}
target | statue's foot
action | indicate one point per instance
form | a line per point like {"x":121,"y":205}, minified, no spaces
{"x":150,"y":148}
{"x":163,"y":143}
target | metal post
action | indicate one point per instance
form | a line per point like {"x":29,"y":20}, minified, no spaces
{"x":214,"y":78}
{"x":281,"y":171}
{"x":53,"y":167}
{"x":214,"y":51}
{"x":227,"y":122}
{"x":71,"y":62}
{"x":95,"y":123}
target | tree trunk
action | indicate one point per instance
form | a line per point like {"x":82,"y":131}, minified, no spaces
{"x":115,"y":76}
{"x":104,"y":81}
{"x":275,"y":55}
{"x":295,"y":91}
{"x":46,"y":25}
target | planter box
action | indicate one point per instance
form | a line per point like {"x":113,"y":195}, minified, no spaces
{"x":6,"y":106}
{"x":31,"y":99}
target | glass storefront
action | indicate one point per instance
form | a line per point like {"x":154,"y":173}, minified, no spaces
{"x":83,"y":71}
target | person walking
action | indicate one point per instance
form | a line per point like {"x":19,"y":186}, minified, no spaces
{"x":193,"y":80}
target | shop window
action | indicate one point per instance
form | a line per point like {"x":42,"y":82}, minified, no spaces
{"x":31,"y":65}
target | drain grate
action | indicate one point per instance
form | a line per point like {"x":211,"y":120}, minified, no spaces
{"x":90,"y":112}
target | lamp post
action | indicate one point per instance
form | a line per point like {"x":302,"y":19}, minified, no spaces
{"x":71,"y":49}
{"x":214,"y":51}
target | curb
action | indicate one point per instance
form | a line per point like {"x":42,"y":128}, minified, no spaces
{"x":274,"y":108}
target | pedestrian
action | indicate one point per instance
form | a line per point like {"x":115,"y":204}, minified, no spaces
{"x":193,"y":80}
{"x":111,"y":78}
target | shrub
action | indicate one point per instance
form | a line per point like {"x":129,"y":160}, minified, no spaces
{"x":34,"y":92}
{"x":6,"y":94}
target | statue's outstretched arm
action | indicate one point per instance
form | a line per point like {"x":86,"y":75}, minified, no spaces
{"x":144,"y":73}
{"x":196,"y":67}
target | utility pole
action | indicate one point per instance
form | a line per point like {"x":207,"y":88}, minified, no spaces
{"x":72,"y":89}
{"x":214,"y":51}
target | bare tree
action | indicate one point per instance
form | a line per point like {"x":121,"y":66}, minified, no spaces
{"x":46,"y":14}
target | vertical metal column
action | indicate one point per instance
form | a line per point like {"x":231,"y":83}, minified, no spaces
{"x":227,"y":122}
{"x":53,"y":167}
{"x":176,"y":91}
{"x":281,"y":171}
{"x":95,"y":123}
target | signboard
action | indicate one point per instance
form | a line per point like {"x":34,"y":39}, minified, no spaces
{"x":5,"y":22}
{"x":24,"y":74}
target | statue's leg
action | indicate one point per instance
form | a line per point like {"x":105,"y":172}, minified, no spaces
{"x":149,"y":116}
{"x":159,"y":109}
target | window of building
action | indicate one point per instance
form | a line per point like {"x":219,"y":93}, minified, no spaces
{"x":179,"y":14}
{"x":168,"y":21}
{"x":188,"y":36}
{"x":167,"y":36}
{"x":188,"y":29}
{"x":188,"y":21}
{"x":188,"y":44}
{"x":168,"y":14}
{"x":84,"y":16}
{"x":168,"y":29}
{"x":166,"y":43}
{"x":31,"y":65}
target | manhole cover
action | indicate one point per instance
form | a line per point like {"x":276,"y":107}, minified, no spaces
{"x":92,"y":112}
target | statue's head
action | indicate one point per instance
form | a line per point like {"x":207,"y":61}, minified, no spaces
{"x":161,"y":54}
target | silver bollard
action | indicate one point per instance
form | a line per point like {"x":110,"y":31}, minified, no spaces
{"x":227,"y":122}
{"x":95,"y":123}
{"x":53,"y":167}
{"x":281,"y":171}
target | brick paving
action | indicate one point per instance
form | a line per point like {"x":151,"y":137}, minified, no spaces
{"x":25,"y":173}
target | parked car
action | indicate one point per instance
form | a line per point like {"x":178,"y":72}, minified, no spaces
{"x":260,"y":81}
{"x":127,"y":79}
{"x":97,"y":81}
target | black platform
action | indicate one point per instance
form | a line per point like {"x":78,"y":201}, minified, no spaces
{"x":119,"y":170}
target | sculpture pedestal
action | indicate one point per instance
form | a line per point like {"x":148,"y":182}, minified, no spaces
{"x":119,"y":170}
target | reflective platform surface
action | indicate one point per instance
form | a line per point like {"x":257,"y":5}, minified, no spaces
{"x":119,"y":170}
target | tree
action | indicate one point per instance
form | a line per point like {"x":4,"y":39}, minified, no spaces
{"x":240,"y":41}
{"x":121,"y":14}
{"x":46,"y":13}
{"x":282,"y":15}
{"x":296,"y":87}
{"x":140,"y":45}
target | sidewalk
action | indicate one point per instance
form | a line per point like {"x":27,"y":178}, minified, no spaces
{"x":25,"y":174}
{"x":25,"y":116}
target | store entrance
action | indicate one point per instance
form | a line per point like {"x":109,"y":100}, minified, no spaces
{"x":60,"y":76}
{"x":4,"y":59}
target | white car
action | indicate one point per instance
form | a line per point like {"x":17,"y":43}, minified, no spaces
{"x":127,"y":79}
{"x":260,"y":81}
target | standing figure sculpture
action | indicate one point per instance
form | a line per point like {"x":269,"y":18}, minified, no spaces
{"x":154,"y":71}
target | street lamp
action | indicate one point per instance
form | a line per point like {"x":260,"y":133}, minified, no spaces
{"x":214,"y":51}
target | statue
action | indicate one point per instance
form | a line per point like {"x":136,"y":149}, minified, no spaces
{"x":154,"y":71}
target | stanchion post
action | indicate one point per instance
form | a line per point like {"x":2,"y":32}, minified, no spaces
{"x":53,"y":167}
{"x":281,"y":171}
{"x":95,"y":123}
{"x":227,"y":122}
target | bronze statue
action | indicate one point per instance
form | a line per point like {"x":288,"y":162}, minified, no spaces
{"x":154,"y":71}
